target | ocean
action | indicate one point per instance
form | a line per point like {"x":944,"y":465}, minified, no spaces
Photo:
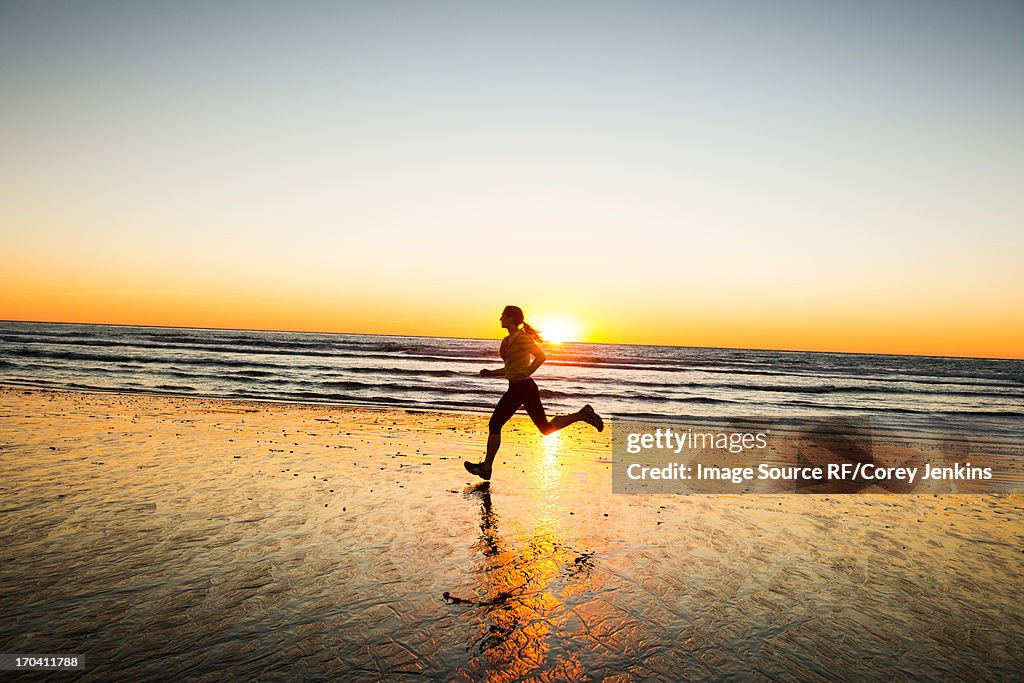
{"x":902,"y":394}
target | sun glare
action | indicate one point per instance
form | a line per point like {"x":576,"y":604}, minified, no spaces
{"x":558,"y":330}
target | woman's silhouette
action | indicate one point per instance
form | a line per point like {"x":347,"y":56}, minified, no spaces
{"x":517,"y":349}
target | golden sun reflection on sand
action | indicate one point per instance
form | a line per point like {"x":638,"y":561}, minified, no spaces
{"x":549,"y":469}
{"x":522,"y":608}
{"x":547,"y":475}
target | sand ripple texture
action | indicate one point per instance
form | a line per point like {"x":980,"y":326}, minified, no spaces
{"x":172,"y":539}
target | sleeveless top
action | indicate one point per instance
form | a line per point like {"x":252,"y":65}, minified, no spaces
{"x":517,"y":350}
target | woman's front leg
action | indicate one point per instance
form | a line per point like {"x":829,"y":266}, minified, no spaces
{"x":493,"y":444}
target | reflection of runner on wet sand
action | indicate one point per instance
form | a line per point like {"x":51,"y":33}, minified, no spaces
{"x":523,"y":356}
{"x":489,"y":540}
{"x":522,"y":608}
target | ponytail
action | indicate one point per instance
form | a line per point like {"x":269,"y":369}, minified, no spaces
{"x":528,"y":329}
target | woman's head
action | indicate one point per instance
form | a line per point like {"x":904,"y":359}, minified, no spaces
{"x":514,"y":315}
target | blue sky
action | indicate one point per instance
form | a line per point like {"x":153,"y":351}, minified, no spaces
{"x":790,"y":162}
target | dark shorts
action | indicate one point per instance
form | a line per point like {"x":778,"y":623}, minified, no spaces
{"x":524,"y":393}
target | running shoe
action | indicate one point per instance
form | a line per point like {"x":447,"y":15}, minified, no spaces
{"x":477,"y":468}
{"x":592,"y":418}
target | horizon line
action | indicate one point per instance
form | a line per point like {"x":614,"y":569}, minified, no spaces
{"x":428,"y":336}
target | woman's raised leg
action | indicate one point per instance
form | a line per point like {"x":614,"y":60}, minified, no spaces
{"x":534,"y":407}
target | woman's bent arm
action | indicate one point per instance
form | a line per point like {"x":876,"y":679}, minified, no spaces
{"x":538,"y":360}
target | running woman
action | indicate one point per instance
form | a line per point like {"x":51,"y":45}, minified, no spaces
{"x":517,"y":349}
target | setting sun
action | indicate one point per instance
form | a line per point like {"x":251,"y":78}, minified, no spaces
{"x":556,"y":330}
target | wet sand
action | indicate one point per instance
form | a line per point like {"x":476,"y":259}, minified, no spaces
{"x":166,"y":538}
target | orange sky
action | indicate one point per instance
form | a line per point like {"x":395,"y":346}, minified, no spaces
{"x":967,"y":330}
